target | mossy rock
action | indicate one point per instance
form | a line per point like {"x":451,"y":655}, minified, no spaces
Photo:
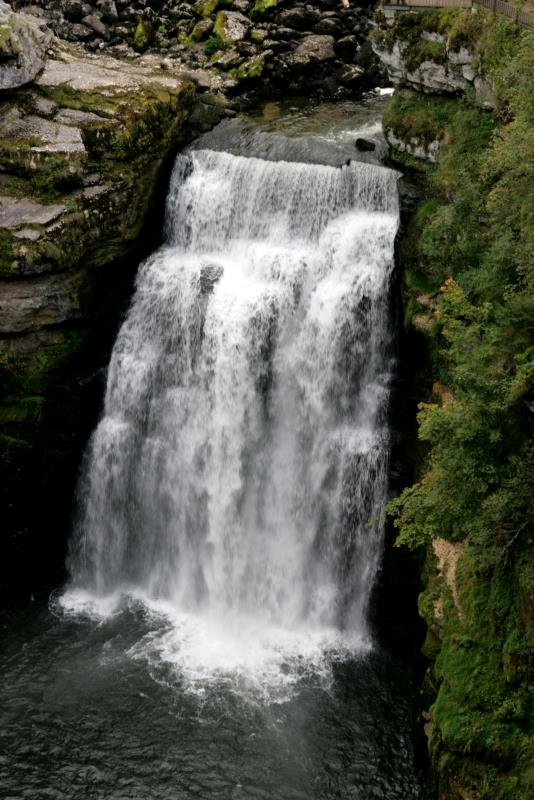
{"x":206,"y":8}
{"x":200,"y":31}
{"x":258,"y":35}
{"x":263,"y":8}
{"x":248,"y":70}
{"x":142,"y":35}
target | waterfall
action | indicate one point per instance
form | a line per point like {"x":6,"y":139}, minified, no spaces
{"x":240,"y":464}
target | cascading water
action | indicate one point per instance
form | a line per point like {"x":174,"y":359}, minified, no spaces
{"x":240,"y":466}
{"x":229,"y":513}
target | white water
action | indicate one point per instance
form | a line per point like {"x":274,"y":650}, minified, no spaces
{"x":236,"y":479}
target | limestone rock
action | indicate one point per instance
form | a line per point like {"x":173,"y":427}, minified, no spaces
{"x":50,"y":300}
{"x":23,"y":43}
{"x":15,"y":212}
{"x":427,"y":151}
{"x":313,"y":48}
{"x":231,"y":26}
{"x":95,"y":23}
{"x":454,"y":75}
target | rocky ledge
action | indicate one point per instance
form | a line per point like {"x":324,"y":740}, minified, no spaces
{"x":259,"y":46}
{"x":84,"y":145}
{"x":421,"y":53}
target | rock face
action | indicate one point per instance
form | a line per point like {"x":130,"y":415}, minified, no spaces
{"x":23,"y":43}
{"x":433,"y":65}
{"x":81,"y":149}
{"x":414,"y":146}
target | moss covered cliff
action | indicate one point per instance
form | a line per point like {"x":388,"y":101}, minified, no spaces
{"x":468,"y":262}
{"x":81,"y":154}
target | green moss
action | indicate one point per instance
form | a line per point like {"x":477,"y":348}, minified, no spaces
{"x":213,"y":45}
{"x":480,"y":721}
{"x":199,"y":32}
{"x":262,"y":8}
{"x":425,"y":50}
{"x":248,"y":70}
{"x":142,"y":35}
{"x":206,"y":7}
{"x":423,"y":117}
{"x":258,"y":35}
{"x":219,"y":30}
{"x":8,"y":266}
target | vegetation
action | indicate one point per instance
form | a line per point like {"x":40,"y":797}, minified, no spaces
{"x":474,"y":256}
{"x":213,"y":45}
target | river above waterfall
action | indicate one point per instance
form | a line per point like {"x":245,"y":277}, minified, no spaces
{"x":213,"y":639}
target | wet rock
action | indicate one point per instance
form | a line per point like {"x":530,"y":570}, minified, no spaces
{"x":346,"y":47}
{"x":227,"y":60}
{"x":23,"y":43}
{"x":81,"y":32}
{"x":327,"y":26}
{"x":201,"y":30}
{"x":209,"y":275}
{"x":351,"y":76}
{"x":108,"y":9}
{"x":365,"y":146}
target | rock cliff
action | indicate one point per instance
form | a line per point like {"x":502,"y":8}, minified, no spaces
{"x":82,"y":147}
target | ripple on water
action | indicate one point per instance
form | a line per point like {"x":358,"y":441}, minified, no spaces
{"x":103,"y":707}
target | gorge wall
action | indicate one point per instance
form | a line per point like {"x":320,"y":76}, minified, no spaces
{"x":460,"y":123}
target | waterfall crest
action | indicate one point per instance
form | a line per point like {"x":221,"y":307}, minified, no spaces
{"x":240,"y":464}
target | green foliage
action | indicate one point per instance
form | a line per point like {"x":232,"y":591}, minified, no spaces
{"x":425,"y":50}
{"x":213,"y":45}
{"x":423,"y":117}
{"x":476,"y":491}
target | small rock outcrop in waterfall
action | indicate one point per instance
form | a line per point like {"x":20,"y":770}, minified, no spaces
{"x":240,"y":465}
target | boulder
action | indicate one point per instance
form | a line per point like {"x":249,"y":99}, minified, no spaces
{"x":313,"y":48}
{"x":73,"y":10}
{"x":364,"y":145}
{"x":231,"y":26}
{"x":108,"y":9}
{"x":300,"y":17}
{"x":94,"y":22}
{"x":23,"y":43}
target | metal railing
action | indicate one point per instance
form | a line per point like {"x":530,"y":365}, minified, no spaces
{"x":520,"y":14}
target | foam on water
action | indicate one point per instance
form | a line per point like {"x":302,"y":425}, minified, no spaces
{"x":234,"y":484}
